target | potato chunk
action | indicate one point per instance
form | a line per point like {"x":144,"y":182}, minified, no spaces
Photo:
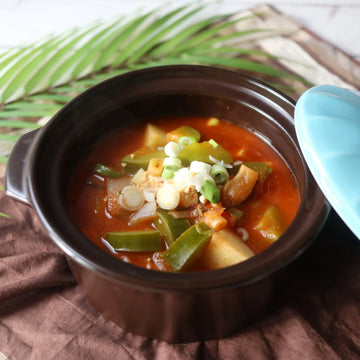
{"x":225,"y":249}
{"x":154,"y":136}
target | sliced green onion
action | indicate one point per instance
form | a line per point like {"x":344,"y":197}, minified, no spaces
{"x":210,"y":191}
{"x":107,"y":171}
{"x":219,"y":173}
{"x":169,"y":171}
{"x":184,"y":131}
{"x":172,"y":161}
{"x":168,"y":199}
{"x":131,"y":198}
{"x":172,"y":149}
{"x":213,"y":143}
{"x":185,"y":141}
{"x":199,"y":167}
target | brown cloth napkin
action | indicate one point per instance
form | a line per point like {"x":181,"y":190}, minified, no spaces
{"x":44,"y":314}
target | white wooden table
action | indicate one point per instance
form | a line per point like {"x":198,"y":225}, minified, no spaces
{"x":24,"y":21}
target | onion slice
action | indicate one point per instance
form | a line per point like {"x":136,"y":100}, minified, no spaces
{"x":146,"y":212}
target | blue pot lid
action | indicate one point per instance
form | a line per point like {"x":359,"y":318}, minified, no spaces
{"x":327,"y":123}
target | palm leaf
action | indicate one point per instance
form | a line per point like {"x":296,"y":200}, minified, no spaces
{"x":160,"y":35}
{"x":9,"y":137}
{"x":61,"y":74}
{"x":57,"y":98}
{"x":37,"y":80}
{"x":204,"y":36}
{"x":186,"y":33}
{"x":93,"y":48}
{"x":5,"y":215}
{"x":141,"y":38}
{"x":111,"y":49}
{"x":48,"y":74}
{"x":31,"y":63}
{"x":9,"y":56}
{"x":18,"y":124}
{"x":186,"y":59}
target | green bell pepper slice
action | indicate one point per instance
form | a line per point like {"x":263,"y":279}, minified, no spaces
{"x":261,"y":168}
{"x":142,"y":240}
{"x":204,"y":151}
{"x":170,"y":227}
{"x":107,"y":171}
{"x":188,"y":246}
{"x":182,"y":131}
{"x":140,"y":159}
{"x":271,"y":225}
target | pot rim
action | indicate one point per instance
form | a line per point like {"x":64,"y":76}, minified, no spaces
{"x":270,"y":260}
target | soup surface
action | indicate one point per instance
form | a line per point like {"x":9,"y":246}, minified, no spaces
{"x":183,"y":194}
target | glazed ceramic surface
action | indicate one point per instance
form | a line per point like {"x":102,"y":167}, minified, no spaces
{"x":174,"y":307}
{"x":327,"y":122}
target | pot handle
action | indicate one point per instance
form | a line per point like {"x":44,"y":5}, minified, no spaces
{"x":15,"y":177}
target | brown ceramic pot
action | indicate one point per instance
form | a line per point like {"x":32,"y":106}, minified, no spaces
{"x":174,"y":307}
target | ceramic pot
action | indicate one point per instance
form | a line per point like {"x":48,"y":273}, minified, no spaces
{"x":174,"y":307}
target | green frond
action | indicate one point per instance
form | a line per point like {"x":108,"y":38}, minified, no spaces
{"x":61,"y":73}
{"x":9,"y":137}
{"x":1,"y":213}
{"x":31,"y":105}
{"x":164,"y":48}
{"x":9,"y":56}
{"x":38,"y":79}
{"x":118,"y":42}
{"x":19,"y":124}
{"x":58,"y":98}
{"x":18,"y":86}
{"x":212,"y":32}
{"x":153,"y":39}
{"x":141,"y":38}
{"x":238,"y":63}
{"x":225,"y":38}
{"x":7,"y":114}
{"x":76,"y":88}
{"x":93,"y":48}
{"x":230,"y":51}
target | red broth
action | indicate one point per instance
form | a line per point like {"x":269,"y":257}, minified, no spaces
{"x":87,"y":201}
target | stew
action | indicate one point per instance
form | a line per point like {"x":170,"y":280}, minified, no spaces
{"x":183,"y":194}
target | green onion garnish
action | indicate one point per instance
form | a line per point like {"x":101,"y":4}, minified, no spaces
{"x":213,"y":143}
{"x":169,"y":171}
{"x":210,"y":191}
{"x":219,"y":173}
{"x":185,"y":141}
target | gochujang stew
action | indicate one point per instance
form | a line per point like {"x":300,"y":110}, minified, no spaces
{"x":183,"y":194}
